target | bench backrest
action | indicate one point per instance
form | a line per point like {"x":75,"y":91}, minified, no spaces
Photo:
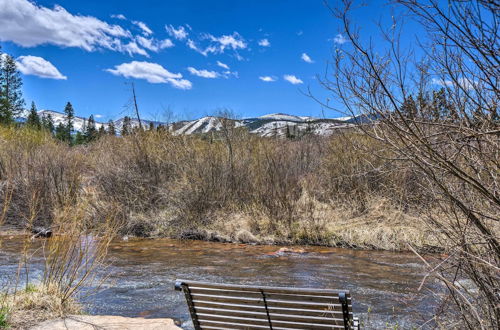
{"x":226,"y":306}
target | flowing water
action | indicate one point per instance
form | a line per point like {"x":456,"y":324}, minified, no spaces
{"x":384,"y":285}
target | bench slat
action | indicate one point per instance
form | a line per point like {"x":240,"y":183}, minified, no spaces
{"x":277,"y":296}
{"x":209,"y":324}
{"x":333,"y":319}
{"x":258,"y":288}
{"x":270,"y":302}
{"x":282,"y":310}
{"x":245,"y":320}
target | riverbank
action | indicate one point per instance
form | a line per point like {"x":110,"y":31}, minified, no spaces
{"x":380,"y":227}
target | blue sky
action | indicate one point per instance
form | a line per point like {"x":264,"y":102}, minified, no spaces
{"x":190,"y":56}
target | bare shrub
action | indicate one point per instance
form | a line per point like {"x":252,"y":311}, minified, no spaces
{"x":39,"y":175}
{"x":448,"y":136}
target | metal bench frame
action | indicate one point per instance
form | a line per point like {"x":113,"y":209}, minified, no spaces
{"x":267,"y":298}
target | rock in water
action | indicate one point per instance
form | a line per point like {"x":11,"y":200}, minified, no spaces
{"x":41,"y":232}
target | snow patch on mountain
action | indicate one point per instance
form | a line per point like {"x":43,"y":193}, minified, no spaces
{"x":276,"y":124}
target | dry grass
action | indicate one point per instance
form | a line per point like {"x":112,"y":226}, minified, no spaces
{"x":231,"y":187}
{"x":381,"y":226}
{"x":37,"y":304}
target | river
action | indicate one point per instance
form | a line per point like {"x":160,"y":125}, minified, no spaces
{"x":384,"y":285}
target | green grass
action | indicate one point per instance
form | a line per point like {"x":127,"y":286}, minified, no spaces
{"x":30,"y":288}
{"x":4,"y":324}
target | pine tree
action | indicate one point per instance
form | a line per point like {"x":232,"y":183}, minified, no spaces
{"x":61,"y":132}
{"x":111,"y":128}
{"x":439,"y":109}
{"x":151,"y":126}
{"x":101,"y":131}
{"x":5,"y":115}
{"x":409,"y":108}
{"x":70,"y":117}
{"x":90,"y":132}
{"x":79,"y":138}
{"x":48,"y":123}
{"x":33,"y":120}
{"x":126,"y":126}
{"x":11,"y":97}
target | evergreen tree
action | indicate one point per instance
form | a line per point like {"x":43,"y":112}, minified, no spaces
{"x":11,"y":97}
{"x":79,"y":138}
{"x":61,"y":133}
{"x":33,"y":120}
{"x":101,"y":131}
{"x":48,"y":123}
{"x":70,"y":117}
{"x":308,"y":129}
{"x":111,"y":128}
{"x":288,"y":133}
{"x":440,"y":106}
{"x":5,"y":116}
{"x":151,"y":126}
{"x":424,"y":106}
{"x":127,"y":126}
{"x":409,"y":108}
{"x":90,"y":132}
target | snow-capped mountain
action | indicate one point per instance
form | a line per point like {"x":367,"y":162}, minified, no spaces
{"x":276,"y":124}
{"x":135,"y":123}
{"x":58,"y":117}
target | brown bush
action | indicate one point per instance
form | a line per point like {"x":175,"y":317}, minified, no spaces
{"x":156,"y":184}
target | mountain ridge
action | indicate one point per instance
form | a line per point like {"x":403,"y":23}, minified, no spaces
{"x":274,"y":124}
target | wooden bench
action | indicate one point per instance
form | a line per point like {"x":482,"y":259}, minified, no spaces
{"x":226,"y":306}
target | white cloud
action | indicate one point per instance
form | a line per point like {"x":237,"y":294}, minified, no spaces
{"x":191,"y":44}
{"x":292,"y":79}
{"x":98,"y":116}
{"x":217,"y":45}
{"x":441,"y":82}
{"x":306,"y":58}
{"x":228,"y":73}
{"x":166,"y":43}
{"x":264,"y":43}
{"x":339,"y":39}
{"x":222,"y":65}
{"x":203,"y":73}
{"x":268,"y":78}
{"x":151,"y":72}
{"x":234,"y":41}
{"x":180,"y":33}
{"x":132,"y":48}
{"x":300,"y":33}
{"x":29,"y":25}
{"x":37,"y":66}
{"x":119,"y":16}
{"x":145,"y":29}
{"x":153,"y":44}
{"x":462,"y":82}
